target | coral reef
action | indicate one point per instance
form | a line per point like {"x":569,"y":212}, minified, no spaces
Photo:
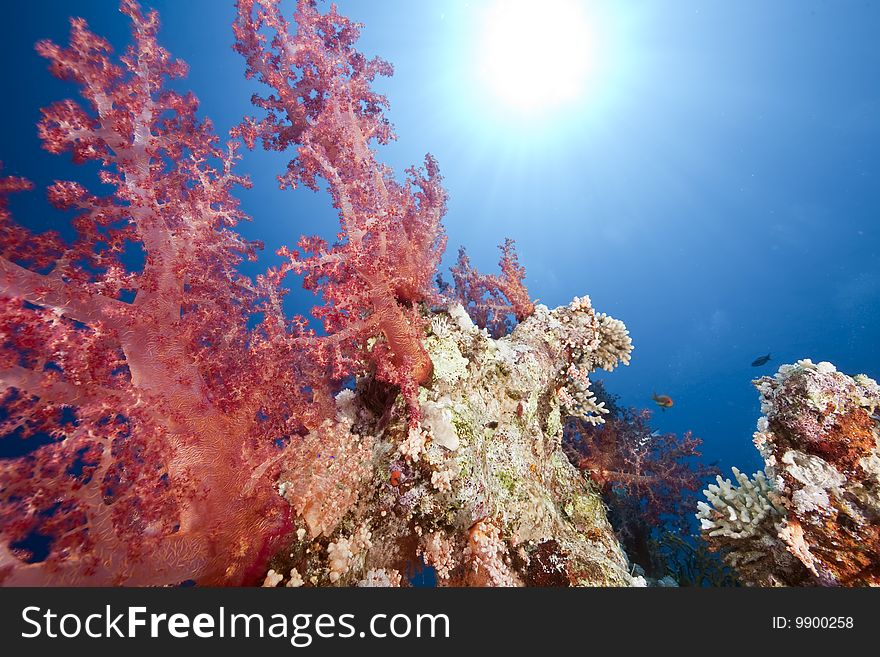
{"x":481,"y":490}
{"x":742,"y":509}
{"x":813,"y":516}
{"x":177,"y":427}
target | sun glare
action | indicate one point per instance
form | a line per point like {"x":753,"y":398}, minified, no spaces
{"x":536,"y":56}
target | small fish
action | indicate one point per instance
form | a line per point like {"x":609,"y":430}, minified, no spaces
{"x":760,"y":361}
{"x":663,"y":401}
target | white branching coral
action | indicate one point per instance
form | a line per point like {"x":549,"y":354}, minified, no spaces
{"x":591,"y":341}
{"x":581,"y":328}
{"x":615,"y":345}
{"x":485,"y":556}
{"x":578,"y":400}
{"x":440,"y":327}
{"x":380,"y":577}
{"x":414,"y":445}
{"x":738,"y":511}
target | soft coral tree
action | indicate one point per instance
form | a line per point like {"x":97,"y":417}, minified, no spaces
{"x":381,"y":268}
{"x":150,"y":413}
{"x":493,"y":301}
{"x":625,"y":453}
{"x":645,"y":476}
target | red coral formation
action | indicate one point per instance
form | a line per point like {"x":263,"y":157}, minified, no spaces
{"x":391,"y":239}
{"x":148,"y":425}
{"x":645,"y":477}
{"x":490,"y":300}
{"x":625,"y":454}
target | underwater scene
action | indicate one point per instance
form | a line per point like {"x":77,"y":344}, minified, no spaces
{"x":455,"y":294}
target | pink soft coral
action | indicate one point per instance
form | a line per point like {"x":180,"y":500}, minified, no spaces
{"x":155,"y":412}
{"x":391,"y":239}
{"x":491,"y":300}
{"x":161,"y":407}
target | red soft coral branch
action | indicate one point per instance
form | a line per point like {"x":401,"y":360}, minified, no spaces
{"x":391,"y":238}
{"x":625,"y":454}
{"x":160,"y":413}
{"x":491,"y":300}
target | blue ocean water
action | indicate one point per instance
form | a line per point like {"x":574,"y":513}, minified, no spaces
{"x":716,"y":188}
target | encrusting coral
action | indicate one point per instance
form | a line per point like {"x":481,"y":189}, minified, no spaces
{"x":511,"y":509}
{"x":813,"y":516}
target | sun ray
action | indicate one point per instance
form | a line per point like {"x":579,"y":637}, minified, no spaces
{"x":535,"y":59}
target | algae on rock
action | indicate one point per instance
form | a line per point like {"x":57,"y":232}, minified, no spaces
{"x":480,"y":489}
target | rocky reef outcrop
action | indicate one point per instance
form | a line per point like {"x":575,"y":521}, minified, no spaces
{"x":480,"y":490}
{"x":812,"y":517}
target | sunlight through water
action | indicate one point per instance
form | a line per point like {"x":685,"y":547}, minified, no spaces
{"x":536,"y":57}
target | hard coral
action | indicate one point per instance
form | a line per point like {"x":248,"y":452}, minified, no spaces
{"x":482,"y":491}
{"x":819,"y":440}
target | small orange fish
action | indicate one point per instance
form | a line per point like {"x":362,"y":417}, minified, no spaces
{"x":663,"y":401}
